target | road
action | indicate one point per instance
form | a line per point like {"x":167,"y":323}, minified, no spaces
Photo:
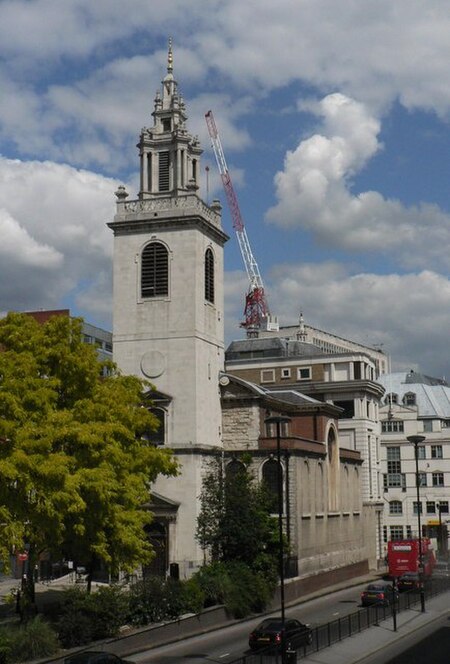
{"x":231,"y":642}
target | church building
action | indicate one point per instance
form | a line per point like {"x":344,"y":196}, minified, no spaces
{"x":168,"y":328}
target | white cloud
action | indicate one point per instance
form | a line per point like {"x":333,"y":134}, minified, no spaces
{"x":86,"y":113}
{"x":314,"y":193}
{"x":17,"y":242}
{"x":54,"y":234}
{"x":408,"y":315}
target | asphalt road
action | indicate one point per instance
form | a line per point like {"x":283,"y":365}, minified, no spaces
{"x":230,"y":643}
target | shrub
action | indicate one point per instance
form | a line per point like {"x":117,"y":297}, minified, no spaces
{"x":87,"y":617}
{"x":155,"y":599}
{"x":234,"y":584}
{"x":33,"y":639}
{"x":194,"y":596}
{"x":146,"y":601}
{"x":5,"y":645}
{"x":214,"y":582}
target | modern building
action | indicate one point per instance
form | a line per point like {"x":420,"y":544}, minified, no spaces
{"x":415,"y":404}
{"x":97,"y":336}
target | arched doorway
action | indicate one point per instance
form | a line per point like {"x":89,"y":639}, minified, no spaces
{"x":157,"y":535}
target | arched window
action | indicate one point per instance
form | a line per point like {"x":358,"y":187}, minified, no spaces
{"x":270,"y":472}
{"x":409,"y":399}
{"x":209,"y":276}
{"x":233,"y":468}
{"x":155,"y":270}
{"x":157,"y":437}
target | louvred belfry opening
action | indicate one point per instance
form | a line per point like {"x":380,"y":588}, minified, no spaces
{"x":155,"y":271}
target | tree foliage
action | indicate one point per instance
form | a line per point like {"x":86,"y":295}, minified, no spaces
{"x":75,"y":467}
{"x":234,"y":524}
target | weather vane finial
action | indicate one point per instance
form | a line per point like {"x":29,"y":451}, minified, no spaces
{"x":170,"y":58}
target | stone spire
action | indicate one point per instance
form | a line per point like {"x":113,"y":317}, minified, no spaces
{"x":301,"y":334}
{"x":170,"y":156}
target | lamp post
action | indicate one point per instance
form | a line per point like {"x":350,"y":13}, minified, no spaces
{"x":278,"y":420}
{"x":441,"y":534}
{"x":416,"y":440}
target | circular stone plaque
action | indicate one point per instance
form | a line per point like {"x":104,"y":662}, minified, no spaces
{"x":153,"y":364}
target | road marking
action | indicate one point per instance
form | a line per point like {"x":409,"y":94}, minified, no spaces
{"x":225,"y":655}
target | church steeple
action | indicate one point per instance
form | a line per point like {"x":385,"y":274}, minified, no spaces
{"x":170,"y":156}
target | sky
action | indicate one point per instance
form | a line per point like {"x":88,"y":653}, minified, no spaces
{"x":334,"y":118}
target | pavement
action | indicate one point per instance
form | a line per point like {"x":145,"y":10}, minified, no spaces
{"x":362,"y":647}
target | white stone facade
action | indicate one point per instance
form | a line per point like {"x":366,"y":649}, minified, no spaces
{"x":415,"y":405}
{"x":168,"y":307}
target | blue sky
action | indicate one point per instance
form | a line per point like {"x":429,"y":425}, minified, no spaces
{"x":334,"y":117}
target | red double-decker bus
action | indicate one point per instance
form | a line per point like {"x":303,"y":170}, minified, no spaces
{"x":403,"y":556}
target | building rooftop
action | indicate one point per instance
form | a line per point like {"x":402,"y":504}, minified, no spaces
{"x":273,"y":347}
{"x":432,"y":395}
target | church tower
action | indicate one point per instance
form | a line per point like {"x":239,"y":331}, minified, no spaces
{"x":168,"y":307}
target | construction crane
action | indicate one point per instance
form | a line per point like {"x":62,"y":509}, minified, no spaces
{"x":256,"y":308}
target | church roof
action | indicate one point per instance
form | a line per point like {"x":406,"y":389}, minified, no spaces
{"x":286,"y":398}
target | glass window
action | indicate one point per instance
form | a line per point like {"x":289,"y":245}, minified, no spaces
{"x":209,"y":276}
{"x":157,"y":436}
{"x":409,"y":399}
{"x":408,"y":532}
{"x":155,"y":270}
{"x":421,"y":452}
{"x":428,"y":425}
{"x":393,"y":460}
{"x":436,"y":451}
{"x":304,"y":373}
{"x":395,"y":507}
{"x":394,"y":481}
{"x":392,"y":426}
{"x":396,"y":532}
{"x":443,"y":506}
{"x":422,"y":477}
{"x":438,"y":479}
{"x":270,"y":478}
{"x":431,"y":507}
{"x":415,"y":503}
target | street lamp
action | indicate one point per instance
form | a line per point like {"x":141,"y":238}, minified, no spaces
{"x":278,"y":420}
{"x":416,"y":440}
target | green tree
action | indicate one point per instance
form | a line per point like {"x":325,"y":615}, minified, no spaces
{"x":75,"y":468}
{"x":234,"y":524}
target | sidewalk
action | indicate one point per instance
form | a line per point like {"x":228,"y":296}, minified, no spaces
{"x":360,"y":647}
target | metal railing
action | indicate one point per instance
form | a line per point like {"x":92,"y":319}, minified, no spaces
{"x":332,"y":632}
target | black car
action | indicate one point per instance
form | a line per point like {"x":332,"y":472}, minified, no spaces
{"x":268,"y":634}
{"x":378,"y":593}
{"x":95,"y":657}
{"x":409,"y":581}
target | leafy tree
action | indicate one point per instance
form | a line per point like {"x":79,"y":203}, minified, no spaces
{"x":234,"y":523}
{"x":75,"y":467}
